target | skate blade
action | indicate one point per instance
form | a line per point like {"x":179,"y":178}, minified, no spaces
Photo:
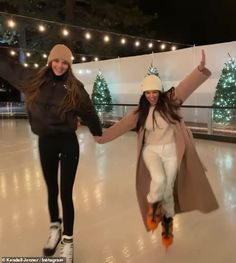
{"x":167,"y":243}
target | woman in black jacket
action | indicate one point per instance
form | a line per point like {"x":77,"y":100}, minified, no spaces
{"x":54,"y":101}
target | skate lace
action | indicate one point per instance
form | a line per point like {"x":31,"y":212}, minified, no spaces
{"x":67,"y":251}
{"x":54,"y":235}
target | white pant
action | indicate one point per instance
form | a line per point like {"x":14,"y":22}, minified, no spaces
{"x":161,"y":161}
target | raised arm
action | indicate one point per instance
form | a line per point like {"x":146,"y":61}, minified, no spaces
{"x":199,"y":75}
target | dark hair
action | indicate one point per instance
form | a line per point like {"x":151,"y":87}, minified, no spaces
{"x":167,"y":105}
{"x":73,"y":99}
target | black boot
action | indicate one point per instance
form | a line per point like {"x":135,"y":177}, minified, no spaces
{"x":167,"y":231}
{"x":154,"y":216}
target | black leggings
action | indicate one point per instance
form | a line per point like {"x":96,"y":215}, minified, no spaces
{"x":63,"y":149}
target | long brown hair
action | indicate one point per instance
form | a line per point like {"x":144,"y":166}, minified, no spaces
{"x":167,"y":105}
{"x":73,"y":99}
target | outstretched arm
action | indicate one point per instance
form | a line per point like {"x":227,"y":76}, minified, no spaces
{"x":187,"y":86}
{"x":124,"y":125}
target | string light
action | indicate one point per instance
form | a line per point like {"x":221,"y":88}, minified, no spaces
{"x":42,"y":25}
{"x":41,"y":28}
{"x":87,"y":35}
{"x":106,"y":38}
{"x":11,"y":23}
{"x":137,"y":43}
{"x":163,"y":46}
{"x":65,"y":32}
{"x":12,"y":52}
{"x":123,"y":41}
{"x":34,"y":54}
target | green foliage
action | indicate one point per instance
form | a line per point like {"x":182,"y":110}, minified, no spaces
{"x":225,"y":95}
{"x":101,"y":95}
{"x":8,"y":37}
{"x":153,"y":71}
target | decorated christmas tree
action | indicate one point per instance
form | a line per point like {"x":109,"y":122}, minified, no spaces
{"x":153,"y":71}
{"x":101,"y":94}
{"x":225,"y":95}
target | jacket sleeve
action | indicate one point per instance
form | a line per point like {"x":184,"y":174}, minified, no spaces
{"x":89,"y":115}
{"x":187,"y":86}
{"x":126,"y":124}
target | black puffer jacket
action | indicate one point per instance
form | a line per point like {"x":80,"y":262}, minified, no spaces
{"x":44,"y":115}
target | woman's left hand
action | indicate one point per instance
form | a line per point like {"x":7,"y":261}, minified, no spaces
{"x":97,"y":139}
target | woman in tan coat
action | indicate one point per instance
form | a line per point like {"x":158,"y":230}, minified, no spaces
{"x":170,"y":177}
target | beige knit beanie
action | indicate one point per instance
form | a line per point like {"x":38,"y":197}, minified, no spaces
{"x":60,"y":51}
{"x":151,"y":82}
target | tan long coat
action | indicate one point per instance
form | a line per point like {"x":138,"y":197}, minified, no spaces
{"x":192,"y":190}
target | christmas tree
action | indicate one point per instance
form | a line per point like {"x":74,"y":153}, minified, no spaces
{"x":153,"y":71}
{"x":101,"y":94}
{"x":225,"y":95}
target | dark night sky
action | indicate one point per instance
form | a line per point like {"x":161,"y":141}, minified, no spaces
{"x":195,"y":22}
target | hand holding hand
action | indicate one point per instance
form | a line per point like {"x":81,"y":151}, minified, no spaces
{"x":97,"y":139}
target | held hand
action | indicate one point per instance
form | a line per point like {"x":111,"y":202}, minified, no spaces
{"x":202,"y":64}
{"x":97,"y":139}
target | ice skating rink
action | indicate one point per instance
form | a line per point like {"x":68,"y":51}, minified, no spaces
{"x":108,"y":226}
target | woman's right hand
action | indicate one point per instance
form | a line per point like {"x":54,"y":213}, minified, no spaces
{"x":202,"y":63}
{"x":97,"y":139}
